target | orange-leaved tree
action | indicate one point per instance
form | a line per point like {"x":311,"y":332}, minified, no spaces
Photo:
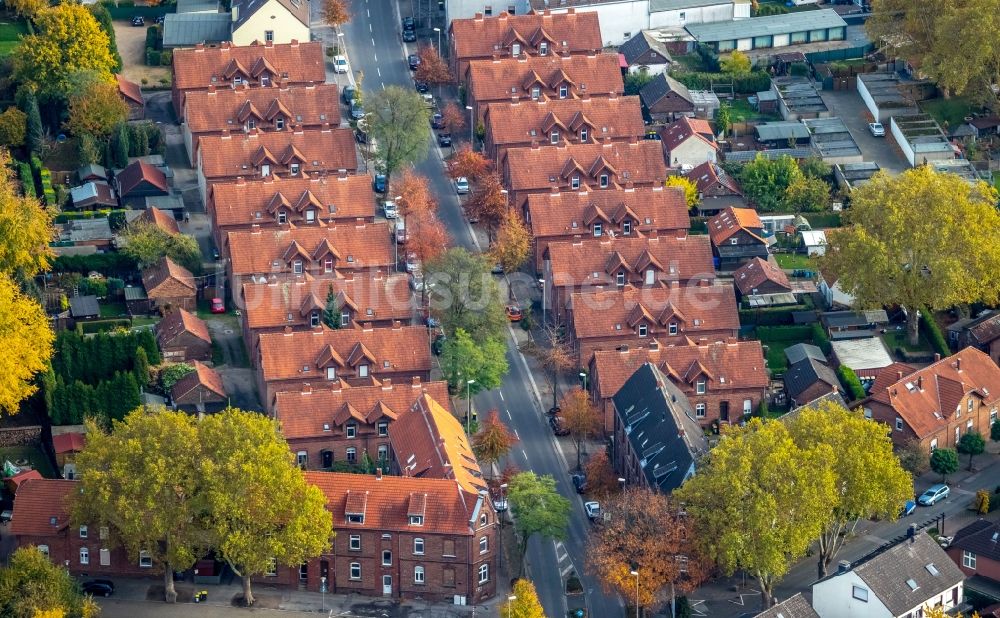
{"x":493,"y":440}
{"x":601,"y":478}
{"x":414,"y":194}
{"x":513,"y":243}
{"x":453,"y":117}
{"x":556,"y":357}
{"x":335,"y":12}
{"x":433,"y":69}
{"x":489,"y":203}
{"x":469,"y":163}
{"x":580,"y":418}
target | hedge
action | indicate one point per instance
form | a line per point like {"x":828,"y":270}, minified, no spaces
{"x":823,"y":219}
{"x":751,"y":83}
{"x":766,"y":317}
{"x":73,"y":215}
{"x":820,"y":339}
{"x":784,"y":333}
{"x":931,"y":330}
{"x":103,"y":326}
{"x":152,"y":57}
{"x":27,"y":179}
{"x":106,"y":263}
{"x":851,"y":382}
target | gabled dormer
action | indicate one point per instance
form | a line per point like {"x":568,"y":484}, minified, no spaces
{"x":330,"y":363}
{"x":326,"y":255}
{"x":516,"y":43}
{"x":309,"y":206}
{"x":698,"y":376}
{"x":553,"y":128}
{"x":348,"y":308}
{"x":582,"y":127}
{"x":596,"y":220}
{"x":533,"y":84}
{"x":236,"y":73}
{"x":361,"y":360}
{"x":649,"y":267}
{"x":355,"y":504}
{"x":249,"y":116}
{"x":346,"y":414}
{"x":626,"y":220}
{"x":381,"y":412}
{"x":293,"y":159}
{"x":279,"y":207}
{"x":296,"y":257}
{"x":640,"y":320}
{"x":312,"y":309}
{"x":416,"y":509}
{"x":541,"y":40}
{"x":603,"y":172}
{"x":263,"y":159}
{"x":263,"y":71}
{"x":277,"y":114}
{"x":618,"y":268}
{"x":672,"y":319}
{"x":561,"y":84}
{"x":572,"y":173}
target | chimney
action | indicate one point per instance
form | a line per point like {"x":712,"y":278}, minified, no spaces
{"x":920,"y":383}
{"x":653,"y":233}
{"x":843,"y":566}
{"x":478,"y":17}
{"x":269,"y":44}
{"x":937,"y":357}
{"x":378,"y":474}
{"x":211,"y":89}
{"x":387,"y":384}
{"x":899,"y":375}
{"x":958,"y":363}
{"x":416,"y":382}
{"x":236,"y":13}
{"x":367,"y":327}
{"x":199,"y":47}
{"x":288,"y":330}
{"x":911,"y":532}
{"x":225,"y":45}
{"x":306,"y":388}
{"x":397,"y":325}
{"x":240,"y":181}
{"x":294,"y":43}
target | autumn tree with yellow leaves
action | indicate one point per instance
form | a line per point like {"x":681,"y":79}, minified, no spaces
{"x":31,"y":586}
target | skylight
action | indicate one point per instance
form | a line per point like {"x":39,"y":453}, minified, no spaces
{"x":912,"y":583}
{"x":932,"y":569}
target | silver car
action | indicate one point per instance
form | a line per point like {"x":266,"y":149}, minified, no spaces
{"x":934,"y":494}
{"x":461,"y":185}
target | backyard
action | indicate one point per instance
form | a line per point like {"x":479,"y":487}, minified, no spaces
{"x":132,"y":47}
{"x":28,"y":455}
{"x":776,"y":338}
{"x":899,"y":339}
{"x":951,"y":111}
{"x":10,"y":34}
{"x":796,"y":261}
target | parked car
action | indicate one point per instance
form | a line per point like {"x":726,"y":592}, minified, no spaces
{"x":461,"y":185}
{"x":379,"y":183}
{"x":389,"y":209}
{"x":876,"y":129}
{"x":412,"y":263}
{"x":908,"y":508}
{"x":360,"y":136}
{"x":497,"y":269}
{"x":513,"y":312}
{"x":444,"y":140}
{"x":348,"y":94}
{"x":593,"y":510}
{"x":437,"y":121}
{"x":339,"y":64}
{"x":6,"y":516}
{"x":218,"y":306}
{"x":580,"y":483}
{"x":414,"y":61}
{"x":400,"y":231}
{"x":409,"y":23}
{"x":558,"y":426}
{"x":160,"y":19}
{"x":421,"y":87}
{"x":934,"y":494}
{"x":357,"y":110}
{"x":99,"y":587}
{"x":417,"y":285}
{"x":409,"y":36}
{"x":437,"y":346}
{"x":138,"y":20}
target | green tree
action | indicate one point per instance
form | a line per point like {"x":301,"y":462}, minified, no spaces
{"x":914,"y":457}
{"x":724,"y":118}
{"x":397,"y":118}
{"x":463,"y":294}
{"x":493,"y":440}
{"x":523,"y":602}
{"x":815,"y":167}
{"x":172,"y":374}
{"x":31,"y":586}
{"x":68,"y":39}
{"x":538,"y":509}
{"x":331,"y":312}
{"x":918,"y":239}
{"x":262,"y":511}
{"x":736,"y":63}
{"x":26,"y":339}
{"x":759,"y":501}
{"x":869,"y":481}
{"x":13,"y":127}
{"x":142,"y":481}
{"x":97,"y":109}
{"x":806,"y":195}
{"x":140,"y":367}
{"x":118,"y":146}
{"x":27,"y":8}
{"x":25,"y":229}
{"x":35,"y":133}
{"x":944,"y":461}
{"x":634,"y":82}
{"x":766,"y":180}
{"x":463,"y":359}
{"x":971,"y":443}
{"x":147,"y":243}
{"x":103,"y":17}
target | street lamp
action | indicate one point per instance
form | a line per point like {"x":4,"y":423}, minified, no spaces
{"x":438,"y":30}
{"x":322,"y":589}
{"x":583,"y":376}
{"x":635,"y":574}
{"x":541,"y":282}
{"x":468,"y":396}
{"x":472,"y":129}
{"x":510,"y":604}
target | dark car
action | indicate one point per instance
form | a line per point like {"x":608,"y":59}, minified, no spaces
{"x":409,"y":23}
{"x":357,"y":110}
{"x":422,"y":87}
{"x":379,"y":183}
{"x":160,"y":19}
{"x":347,"y":94}
{"x":414,"y":61}
{"x":409,"y":36}
{"x":444,"y":139}
{"x":138,"y":20}
{"x":360,"y":136}
{"x":558,"y":426}
{"x":437,"y":121}
{"x":437,"y":346}
{"x":99,"y":587}
{"x":580,"y":483}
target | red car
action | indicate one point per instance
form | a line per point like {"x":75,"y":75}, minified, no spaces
{"x":218,"y":306}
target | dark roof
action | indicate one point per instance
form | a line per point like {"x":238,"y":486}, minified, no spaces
{"x":129,"y":178}
{"x":84,"y":307}
{"x":640,"y":44}
{"x":188,"y":29}
{"x":660,"y":426}
{"x":246,"y":9}
{"x":805,"y":373}
{"x":92,"y":171}
{"x":845,"y":319}
{"x":792,"y":607}
{"x":985,"y":329}
{"x":661,"y":86}
{"x":981,"y":537}
{"x":888,"y":572}
{"x":800,"y":351}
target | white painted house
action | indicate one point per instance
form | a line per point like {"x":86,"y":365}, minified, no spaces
{"x":666,"y":13}
{"x":277,"y":21}
{"x":899,"y":582}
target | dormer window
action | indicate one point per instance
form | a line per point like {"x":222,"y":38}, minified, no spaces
{"x":311,"y":215}
{"x":251,"y":124}
{"x":650,"y":276}
{"x":554,"y":137}
{"x":575,"y":182}
{"x":282,"y":217}
{"x":314,"y":319}
{"x":351,"y":430}
{"x":643,"y":331}
{"x":543,"y":49}
{"x":620,"y":279}
{"x":265,"y":170}
{"x":328,"y":265}
{"x":598,"y":229}
{"x":536,"y":93}
{"x":237,"y":80}
{"x":672,"y":328}
{"x":331,"y":372}
{"x":626,"y":227}
{"x":699,"y":387}
{"x":604,"y":181}
{"x":363,"y":371}
{"x":265,"y":80}
{"x":383,"y":428}
{"x":563,"y":91}
{"x":297,"y":267}
{"x":515,"y":50}
{"x":356,"y":518}
{"x":294,"y":169}
{"x":584,"y":134}
{"x":733,"y":241}
{"x":418,"y":544}
{"x":279,"y":123}
{"x":345,"y":318}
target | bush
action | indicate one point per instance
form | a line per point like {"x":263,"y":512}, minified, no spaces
{"x":103,"y":326}
{"x":823,"y":219}
{"x":820,"y":339}
{"x":27,"y":179}
{"x":152,"y":57}
{"x":767,"y":317}
{"x":851,"y":382}
{"x":172,"y":374}
{"x":784,"y":333}
{"x":750,"y":83}
{"x":105,"y":263}
{"x":931,"y":330}
{"x":709,"y":58}
{"x":166,"y":58}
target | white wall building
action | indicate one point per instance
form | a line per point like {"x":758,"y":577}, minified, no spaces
{"x":666,"y":13}
{"x":267,"y":21}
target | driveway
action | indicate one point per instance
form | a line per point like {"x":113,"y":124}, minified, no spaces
{"x":237,"y":375}
{"x":848,"y":106}
{"x":131,"y":42}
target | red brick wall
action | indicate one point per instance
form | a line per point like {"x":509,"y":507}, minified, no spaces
{"x":980,"y":417}
{"x":64,"y":549}
{"x":187,"y":347}
{"x":336,"y":443}
{"x":984,"y":566}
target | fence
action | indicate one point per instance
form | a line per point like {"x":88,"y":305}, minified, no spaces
{"x":832,"y":55}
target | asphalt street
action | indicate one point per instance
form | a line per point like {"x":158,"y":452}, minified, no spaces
{"x":375,"y":48}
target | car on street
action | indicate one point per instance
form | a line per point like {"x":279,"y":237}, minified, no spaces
{"x":357,"y":110}
{"x":513,"y":312}
{"x":876,"y":129}
{"x":138,"y":20}
{"x":339,"y":64}
{"x":412,"y":263}
{"x":160,"y":19}
{"x":593,"y":510}
{"x":908,"y":508}
{"x":934,"y":494}
{"x":379,"y":183}
{"x":347,"y":94}
{"x":400,"y":231}
{"x":437,"y":121}
{"x":360,"y":136}
{"x":6,"y":516}
{"x":580,"y":483}
{"x":461,"y":185}
{"x":389,"y":209}
{"x":409,"y":23}
{"x":417,"y":285}
{"x":497,"y":269}
{"x":421,"y":87}
{"x":218,"y":306}
{"x":414,"y":61}
{"x":558,"y":426}
{"x":409,"y":36}
{"x":99,"y":587}
{"x":444,"y":140}
{"x":437,"y":346}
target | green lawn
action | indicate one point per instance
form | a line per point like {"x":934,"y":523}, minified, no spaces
{"x":776,"y":360}
{"x":796,"y":260}
{"x":32,"y":455}
{"x":113,"y":310}
{"x":899,"y":339}
{"x":10,"y":36}
{"x":952,"y":110}
{"x":690,"y":62}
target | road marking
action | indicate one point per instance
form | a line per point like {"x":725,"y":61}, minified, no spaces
{"x":373,"y":41}
{"x":565,"y":571}
{"x":368,"y":10}
{"x":379,"y":71}
{"x":525,"y":455}
{"x":509,"y":417}
{"x":370,"y":29}
{"x":515,"y":432}
{"x":501,"y":395}
{"x":375,"y":56}
{"x":383,"y":85}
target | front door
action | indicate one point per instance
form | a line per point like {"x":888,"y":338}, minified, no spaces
{"x":327,"y":459}
{"x":724,"y":411}
{"x":387,"y":585}
{"x":303,"y":572}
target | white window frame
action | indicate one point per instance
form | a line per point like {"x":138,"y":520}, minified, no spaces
{"x":418,"y":575}
{"x":282,"y":217}
{"x":354,"y":542}
{"x":314,"y":320}
{"x":536,"y":93}
{"x":515,"y":50}
{"x":310,"y":214}
{"x":598,"y":229}
{"x":302,"y":459}
{"x":145,"y":560}
{"x":626,"y":227}
{"x":351,"y":455}
{"x":383,"y":452}
{"x":265,"y":170}
{"x":554,"y":137}
{"x":279,"y":122}
{"x":271,"y":570}
{"x":484,"y":545}
{"x":269,"y":36}
{"x":700,"y":387}
{"x":345,"y":318}
{"x":44,"y":549}
{"x":899,"y":424}
{"x":293,"y":169}
{"x":968,"y":559}
{"x":355,"y":568}
{"x":563,"y":91}
{"x":328,"y":265}
{"x":574,"y":183}
{"x":643,"y":330}
{"x":386,"y":557}
{"x":933,"y":445}
{"x":362,"y":371}
{"x":672,"y":328}
{"x":382,"y":428}
{"x":83,"y":532}
{"x":351,"y":430}
{"x":84,"y":555}
{"x":604,"y":181}
{"x":543,"y":48}
{"x":620,"y":279}
{"x":650,"y":276}
{"x":297,"y":267}
{"x":104,"y":556}
{"x":699,"y":410}
{"x":484,"y":573}
{"x":859,"y":593}
{"x":331,"y":373}
{"x":584,"y":134}
{"x":418,"y":546}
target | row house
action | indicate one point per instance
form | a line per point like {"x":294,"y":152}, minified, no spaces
{"x":341,"y":424}
{"x":253,"y":154}
{"x":200,"y":391}
{"x":724,"y":381}
{"x":586,"y":120}
{"x":535,"y":77}
{"x":937,"y":404}
{"x":581,"y":167}
{"x":650,"y":317}
{"x":243,"y":109}
{"x":688,"y":142}
{"x":276,"y":201}
{"x":555,"y":217}
{"x":516,"y":36}
{"x":359,"y":356}
{"x":379,"y":300}
{"x":649,"y":261}
{"x":182,"y":336}
{"x":258,"y":65}
{"x":293,"y":252}
{"x":737,"y":236}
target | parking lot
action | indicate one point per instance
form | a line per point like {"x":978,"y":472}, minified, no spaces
{"x":848,"y":106}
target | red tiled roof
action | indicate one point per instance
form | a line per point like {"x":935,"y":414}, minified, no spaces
{"x":755,"y":272}
{"x":267,"y":305}
{"x":303,"y":414}
{"x":385,"y":502}
{"x":200,"y":67}
{"x":72,"y":442}
{"x":676,"y":133}
{"x":732,"y":365}
{"x":479,"y":37}
{"x":522,"y":122}
{"x":229,"y":108}
{"x":317,"y":150}
{"x":24,"y":475}
{"x":38,"y":502}
{"x":258,"y":200}
{"x":545,"y":167}
{"x":284,"y":355}
{"x":429,"y":442}
{"x":695,"y":309}
{"x":354,"y":247}
{"x":202,"y":376}
{"x":732,"y":220}
{"x":709,"y":174}
{"x":927,"y":398}
{"x":156,"y":274}
{"x":129,"y":90}
{"x":503,"y":79}
{"x":570,"y":212}
{"x":180,"y":321}
{"x":592,"y":262}
{"x":130,"y":177}
{"x":160,"y":219}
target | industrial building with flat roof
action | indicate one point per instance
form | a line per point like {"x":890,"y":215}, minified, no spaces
{"x":771,"y":31}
